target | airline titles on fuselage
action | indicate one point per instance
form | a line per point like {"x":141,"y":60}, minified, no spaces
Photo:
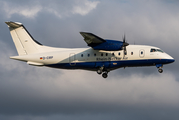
{"x":110,"y":58}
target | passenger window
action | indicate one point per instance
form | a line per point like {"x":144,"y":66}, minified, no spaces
{"x":95,"y":54}
{"x":119,"y":53}
{"x":81,"y":55}
{"x":112,"y":54}
{"x":131,"y":53}
{"x":88,"y":55}
{"x":101,"y":54}
{"x":106,"y":54}
{"x":141,"y":52}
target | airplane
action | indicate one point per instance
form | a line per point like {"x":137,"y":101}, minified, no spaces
{"x":102,"y":55}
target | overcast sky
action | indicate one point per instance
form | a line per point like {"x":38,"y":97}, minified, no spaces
{"x":41,"y":93}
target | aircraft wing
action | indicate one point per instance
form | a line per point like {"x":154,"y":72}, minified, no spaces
{"x":98,"y":43}
{"x":91,"y":39}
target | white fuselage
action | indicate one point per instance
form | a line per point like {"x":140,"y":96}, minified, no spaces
{"x":72,"y":58}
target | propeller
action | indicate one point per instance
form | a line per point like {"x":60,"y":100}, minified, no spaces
{"x":124,"y":45}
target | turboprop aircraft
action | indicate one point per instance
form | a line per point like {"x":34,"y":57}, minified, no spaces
{"x":101,"y":56}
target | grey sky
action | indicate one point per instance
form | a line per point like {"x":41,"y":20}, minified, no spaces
{"x":40,"y":93}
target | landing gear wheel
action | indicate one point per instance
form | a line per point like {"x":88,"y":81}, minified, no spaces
{"x":160,"y":70}
{"x":99,"y":71}
{"x":105,"y":75}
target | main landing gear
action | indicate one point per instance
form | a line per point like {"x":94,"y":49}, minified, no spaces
{"x":105,"y":74}
{"x":102,"y":71}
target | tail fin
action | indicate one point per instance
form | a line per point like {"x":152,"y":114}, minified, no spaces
{"x":24,"y":42}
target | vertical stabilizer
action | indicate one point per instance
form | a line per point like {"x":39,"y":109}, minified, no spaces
{"x":24,"y":42}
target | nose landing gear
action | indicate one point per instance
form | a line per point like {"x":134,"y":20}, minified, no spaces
{"x":159,"y":66}
{"x":160,"y":70}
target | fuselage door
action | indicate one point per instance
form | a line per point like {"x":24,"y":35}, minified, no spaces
{"x":141,"y":53}
{"x":72,"y":59}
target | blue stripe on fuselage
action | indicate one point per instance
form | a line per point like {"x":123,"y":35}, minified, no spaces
{"x":111,"y":64}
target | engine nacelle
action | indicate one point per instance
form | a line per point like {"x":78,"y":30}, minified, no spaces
{"x":109,"y":45}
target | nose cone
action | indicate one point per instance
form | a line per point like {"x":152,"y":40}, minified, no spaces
{"x":170,"y":59}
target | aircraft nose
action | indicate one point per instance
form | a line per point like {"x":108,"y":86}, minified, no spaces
{"x":171,"y":59}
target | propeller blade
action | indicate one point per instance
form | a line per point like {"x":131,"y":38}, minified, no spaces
{"x":124,"y":53}
{"x":124,"y":39}
{"x":124,"y":45}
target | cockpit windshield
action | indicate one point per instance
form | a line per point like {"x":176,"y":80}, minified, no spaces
{"x":153,"y":50}
{"x":156,"y":50}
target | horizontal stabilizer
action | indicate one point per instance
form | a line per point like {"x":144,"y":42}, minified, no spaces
{"x":25,"y":58}
{"x":21,"y":58}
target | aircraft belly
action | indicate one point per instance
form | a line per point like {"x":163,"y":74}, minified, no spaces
{"x":111,"y":65}
{"x":78,"y":65}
